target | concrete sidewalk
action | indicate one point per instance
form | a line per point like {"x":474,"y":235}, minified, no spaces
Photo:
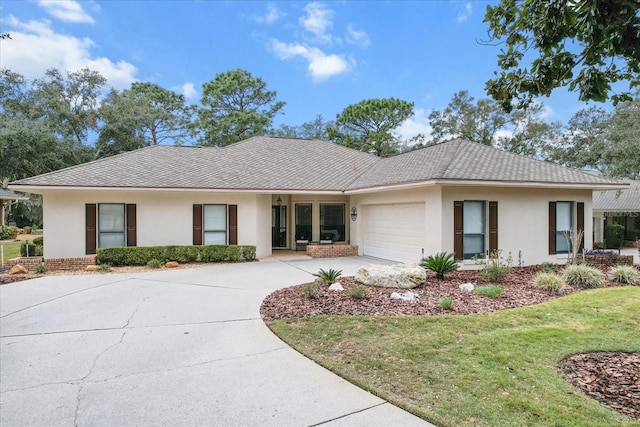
{"x":181,"y":347}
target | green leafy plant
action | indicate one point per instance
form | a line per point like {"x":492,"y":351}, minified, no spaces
{"x":440,"y":263}
{"x":155,"y":263}
{"x":41,"y":268}
{"x":583,"y":276}
{"x":249,"y":253}
{"x":615,"y":235}
{"x":491,"y":291}
{"x":141,"y":255}
{"x":30,"y":250}
{"x":548,"y":267}
{"x":310,"y":290}
{"x":625,"y":274}
{"x":356,"y":291}
{"x":550,"y":282}
{"x":105,"y":267}
{"x":599,"y":245}
{"x":328,"y":277}
{"x":496,"y":267}
{"x":446,"y":303}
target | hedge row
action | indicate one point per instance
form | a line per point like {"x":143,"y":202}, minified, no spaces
{"x":35,"y":248}
{"x":141,"y":255}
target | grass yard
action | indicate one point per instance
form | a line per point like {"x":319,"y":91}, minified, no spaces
{"x":12,"y":248}
{"x":490,"y":369}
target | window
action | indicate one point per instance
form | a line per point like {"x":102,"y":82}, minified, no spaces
{"x":471,"y":228}
{"x":332,"y":222}
{"x":474,"y":229}
{"x":109,"y":225}
{"x":215,"y":224}
{"x":303,"y":221}
{"x":561,"y":221}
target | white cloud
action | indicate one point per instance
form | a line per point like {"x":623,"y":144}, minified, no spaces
{"x":35,"y":47}
{"x":318,"y":21}
{"x":357,"y":37}
{"x":415,"y":125}
{"x":320,"y":65}
{"x":465,"y":14}
{"x":66,"y":10}
{"x":189,"y":91}
{"x":272,"y":15}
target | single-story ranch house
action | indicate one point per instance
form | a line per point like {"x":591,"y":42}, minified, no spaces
{"x":458,"y":196}
{"x":618,"y":207}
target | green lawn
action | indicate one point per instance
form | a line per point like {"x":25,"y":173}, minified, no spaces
{"x":12,"y":248}
{"x":482,"y":370}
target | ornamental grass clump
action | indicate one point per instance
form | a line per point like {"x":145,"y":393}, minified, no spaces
{"x":155,"y":263}
{"x":583,"y":276}
{"x":446,"y":303}
{"x":357,"y":291}
{"x":549,"y":282}
{"x":310,"y":290}
{"x":548,"y":267}
{"x":625,"y":274}
{"x":491,"y":291}
{"x":440,"y":263}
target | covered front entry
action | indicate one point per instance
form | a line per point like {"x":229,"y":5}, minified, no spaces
{"x":394,"y":231}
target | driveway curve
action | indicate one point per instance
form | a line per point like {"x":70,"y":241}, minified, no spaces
{"x":179,"y":347}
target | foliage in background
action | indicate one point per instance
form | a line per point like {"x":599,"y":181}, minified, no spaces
{"x":584,"y":46}
{"x":367,"y":126}
{"x":614,"y":235}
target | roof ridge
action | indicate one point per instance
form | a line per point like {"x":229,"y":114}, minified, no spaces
{"x":450,"y":154}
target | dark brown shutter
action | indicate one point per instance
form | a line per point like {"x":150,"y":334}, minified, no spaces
{"x":552,"y":228}
{"x":493,"y":226}
{"x":580,"y":221}
{"x":132,"y":238}
{"x":458,"y":232}
{"x":90,"y":220}
{"x":233,"y":224}
{"x":197,"y":224}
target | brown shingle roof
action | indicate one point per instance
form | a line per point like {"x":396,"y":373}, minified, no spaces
{"x":262,"y":163}
{"x":622,"y":200}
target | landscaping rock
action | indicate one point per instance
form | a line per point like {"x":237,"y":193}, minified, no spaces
{"x":402,"y":276}
{"x":467,"y":287}
{"x":171,"y":264}
{"x":405,"y":296}
{"x":18,"y":269}
{"x":92,"y":268}
{"x":336,"y":287}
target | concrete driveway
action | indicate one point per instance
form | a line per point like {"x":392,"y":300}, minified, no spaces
{"x":180,"y":347}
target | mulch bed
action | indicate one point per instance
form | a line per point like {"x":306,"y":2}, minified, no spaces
{"x":611,"y":378}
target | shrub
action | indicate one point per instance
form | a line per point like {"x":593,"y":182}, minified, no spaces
{"x":41,"y":268}
{"x":446,"y":303}
{"x":7,"y":232}
{"x":249,"y":253}
{"x":38,"y":241}
{"x":599,"y":245}
{"x":491,"y":291}
{"x":550,"y":282}
{"x":548,"y":267}
{"x":234,"y":252}
{"x":34,"y":250}
{"x":615,"y":236}
{"x":356,"y":291}
{"x":625,"y":274}
{"x":310,"y":290}
{"x":440,"y":263}
{"x":495,"y":268}
{"x":154,"y":263}
{"x":328,"y":277}
{"x":583,"y":276}
{"x":105,"y":267}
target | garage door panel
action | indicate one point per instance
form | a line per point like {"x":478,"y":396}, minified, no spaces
{"x":394,"y":231}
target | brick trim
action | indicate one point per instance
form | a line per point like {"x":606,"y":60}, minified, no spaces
{"x":332,"y":251}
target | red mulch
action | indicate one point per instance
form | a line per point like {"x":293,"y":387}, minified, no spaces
{"x":611,"y":378}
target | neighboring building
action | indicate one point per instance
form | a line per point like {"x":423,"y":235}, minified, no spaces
{"x":6,"y":198}
{"x":457,"y":196}
{"x":619,"y":207}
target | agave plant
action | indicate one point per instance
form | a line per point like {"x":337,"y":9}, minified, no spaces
{"x":440,"y":263}
{"x":328,"y":277}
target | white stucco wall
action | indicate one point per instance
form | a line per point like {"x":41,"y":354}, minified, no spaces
{"x":163,"y":218}
{"x":523,"y":217}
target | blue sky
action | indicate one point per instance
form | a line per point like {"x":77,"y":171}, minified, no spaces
{"x":319,"y":56}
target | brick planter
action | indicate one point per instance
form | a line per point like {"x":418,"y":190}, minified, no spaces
{"x":54,"y":264}
{"x":608,"y":260}
{"x":332,"y":251}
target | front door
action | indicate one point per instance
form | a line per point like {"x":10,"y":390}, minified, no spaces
{"x":279,"y":226}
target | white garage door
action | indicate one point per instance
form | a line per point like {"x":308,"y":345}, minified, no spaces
{"x":395,"y":232}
